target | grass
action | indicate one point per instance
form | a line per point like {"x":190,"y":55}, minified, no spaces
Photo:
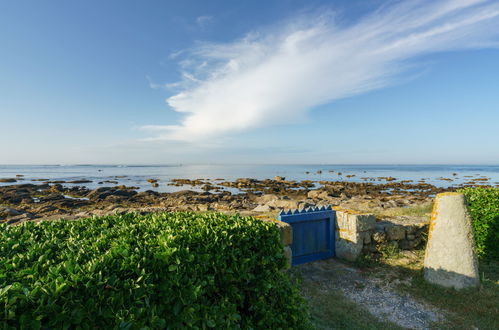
{"x":420,"y":210}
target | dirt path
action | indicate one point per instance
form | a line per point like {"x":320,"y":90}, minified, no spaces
{"x":378,"y":296}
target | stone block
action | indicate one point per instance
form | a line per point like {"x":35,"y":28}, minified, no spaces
{"x":286,"y":233}
{"x":364,"y":222}
{"x":450,"y":258}
{"x":405,"y":244}
{"x":366,"y":237}
{"x":342,"y":221}
{"x":348,"y":235}
{"x":411,"y":229}
{"x":354,"y":223}
{"x":348,"y":250}
{"x":395,"y":232}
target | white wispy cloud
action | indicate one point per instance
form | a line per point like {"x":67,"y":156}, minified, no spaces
{"x":277,"y":75}
{"x":204,"y":21}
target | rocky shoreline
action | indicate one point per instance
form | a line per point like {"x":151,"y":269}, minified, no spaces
{"x":28,"y":202}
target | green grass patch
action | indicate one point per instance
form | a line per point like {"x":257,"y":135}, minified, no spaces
{"x":170,"y":270}
{"x":420,"y":210}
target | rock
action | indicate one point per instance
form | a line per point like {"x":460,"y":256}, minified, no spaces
{"x":379,"y":237}
{"x":395,"y":232}
{"x":155,"y":185}
{"x":8,"y":212}
{"x":202,"y":207}
{"x":262,"y":208}
{"x":283,"y":204}
{"x":7,"y":180}
{"x":318,"y":194}
{"x":411,"y":229}
{"x":152,"y":180}
{"x":266,"y":198}
{"x":450,"y":259}
{"x":366,"y":237}
{"x":100,"y":193}
{"x":279,"y":178}
{"x":348,"y":250}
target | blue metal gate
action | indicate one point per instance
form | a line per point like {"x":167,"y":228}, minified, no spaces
{"x":313,"y":233}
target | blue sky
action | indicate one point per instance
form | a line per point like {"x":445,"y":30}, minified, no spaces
{"x":249,"y":82}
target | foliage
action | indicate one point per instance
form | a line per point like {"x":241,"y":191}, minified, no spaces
{"x":484,"y":209}
{"x":175,"y":270}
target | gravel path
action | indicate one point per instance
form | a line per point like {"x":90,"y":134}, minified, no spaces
{"x":378,"y":296}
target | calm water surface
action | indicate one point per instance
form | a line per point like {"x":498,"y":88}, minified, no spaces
{"x":133,"y":175}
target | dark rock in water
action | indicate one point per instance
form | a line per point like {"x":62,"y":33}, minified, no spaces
{"x":57,"y":188}
{"x":80,"y":181}
{"x":124,"y":193}
{"x":8,"y":180}
{"x":152,"y":180}
{"x":147,"y":195}
{"x":100,"y":193}
{"x":207,"y":187}
{"x":115,"y":199}
{"x":155,"y":185}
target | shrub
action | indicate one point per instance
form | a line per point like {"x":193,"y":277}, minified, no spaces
{"x":484,"y":209}
{"x":175,"y":270}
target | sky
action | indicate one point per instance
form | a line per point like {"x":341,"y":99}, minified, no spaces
{"x":259,"y":82}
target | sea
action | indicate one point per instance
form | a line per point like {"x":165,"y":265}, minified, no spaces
{"x":137,"y":175}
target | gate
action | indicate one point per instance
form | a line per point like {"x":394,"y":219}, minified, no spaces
{"x":313,"y":233}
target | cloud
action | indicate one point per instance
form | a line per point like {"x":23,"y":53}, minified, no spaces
{"x":278,"y":74}
{"x":204,"y":21}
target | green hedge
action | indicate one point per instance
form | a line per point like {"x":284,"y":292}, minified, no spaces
{"x":175,"y":270}
{"x":484,"y":209}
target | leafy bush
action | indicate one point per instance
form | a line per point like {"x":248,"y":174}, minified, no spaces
{"x":175,"y":270}
{"x":484,"y":209}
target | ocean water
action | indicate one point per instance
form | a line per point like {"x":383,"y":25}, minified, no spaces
{"x":137,"y":175}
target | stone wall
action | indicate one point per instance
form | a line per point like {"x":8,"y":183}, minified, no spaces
{"x":358,"y":233}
